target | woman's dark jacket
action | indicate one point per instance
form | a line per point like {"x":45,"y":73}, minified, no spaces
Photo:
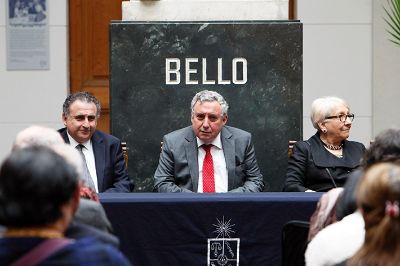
{"x":313,"y":167}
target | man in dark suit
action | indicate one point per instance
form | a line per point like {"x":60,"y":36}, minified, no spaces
{"x":208,"y":156}
{"x":102,"y":152}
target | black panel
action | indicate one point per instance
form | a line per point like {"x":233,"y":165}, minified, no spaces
{"x":269,"y":104}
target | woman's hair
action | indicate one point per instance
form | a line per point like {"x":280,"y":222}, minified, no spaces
{"x":323,"y":107}
{"x":378,"y":197}
{"x":385,"y":148}
{"x":35,"y":182}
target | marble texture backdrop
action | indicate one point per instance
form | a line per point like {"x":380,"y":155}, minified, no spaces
{"x":145,"y":106}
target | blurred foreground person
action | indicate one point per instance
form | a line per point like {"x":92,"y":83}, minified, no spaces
{"x":378,"y":198}
{"x":90,"y":219}
{"x":39,"y":193}
{"x":342,"y":239}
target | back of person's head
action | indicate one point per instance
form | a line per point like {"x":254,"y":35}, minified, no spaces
{"x":35,"y":183}
{"x":378,"y":197}
{"x":37,"y":136}
{"x":385,"y":148}
{"x":71,"y":155}
{"x":43,"y":136}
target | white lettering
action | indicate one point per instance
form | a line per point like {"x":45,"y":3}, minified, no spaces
{"x":190,"y":71}
{"x":169,"y":71}
{"x":220,"y":80}
{"x":204,"y":72}
{"x":173,"y":68}
{"x":235,"y":61}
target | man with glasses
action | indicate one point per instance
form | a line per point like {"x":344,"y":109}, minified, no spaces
{"x":208,"y":156}
{"x":325,"y":160}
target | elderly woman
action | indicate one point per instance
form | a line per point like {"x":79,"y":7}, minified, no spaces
{"x":325,"y":160}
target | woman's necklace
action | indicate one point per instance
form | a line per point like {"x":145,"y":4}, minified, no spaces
{"x":333,"y":147}
{"x":32,"y":233}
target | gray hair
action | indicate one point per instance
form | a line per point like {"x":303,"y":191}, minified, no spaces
{"x":71,"y":156}
{"x":81,"y":96}
{"x":51,"y":138}
{"x":210,"y":96}
{"x":323,"y":107}
{"x":37,"y":136}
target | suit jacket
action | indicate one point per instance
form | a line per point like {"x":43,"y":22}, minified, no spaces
{"x":313,"y":167}
{"x":178,"y":169}
{"x":92,"y":213}
{"x":77,"y":230}
{"x":110,"y":167}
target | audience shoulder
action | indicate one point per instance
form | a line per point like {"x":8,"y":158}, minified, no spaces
{"x":95,"y":251}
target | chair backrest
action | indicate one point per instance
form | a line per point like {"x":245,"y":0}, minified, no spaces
{"x":294,"y":242}
{"x":290,"y":147}
{"x":125,"y":153}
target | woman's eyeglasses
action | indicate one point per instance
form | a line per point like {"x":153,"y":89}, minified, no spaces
{"x":342,"y":117}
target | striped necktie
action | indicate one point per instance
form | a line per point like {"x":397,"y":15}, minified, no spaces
{"x":87,"y":178}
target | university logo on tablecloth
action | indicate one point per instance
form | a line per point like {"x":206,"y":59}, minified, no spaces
{"x":223,"y":250}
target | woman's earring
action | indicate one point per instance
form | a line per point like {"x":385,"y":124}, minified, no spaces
{"x":324,"y":130}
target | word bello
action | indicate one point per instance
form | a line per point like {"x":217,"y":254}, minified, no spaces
{"x":173,"y":71}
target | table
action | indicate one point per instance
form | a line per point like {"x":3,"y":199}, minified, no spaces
{"x":204,"y":229}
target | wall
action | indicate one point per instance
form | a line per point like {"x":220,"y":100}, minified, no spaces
{"x":345,"y":53}
{"x":34,"y":97}
{"x":337,"y":47}
{"x":386,"y":78}
{"x":337,"y":58}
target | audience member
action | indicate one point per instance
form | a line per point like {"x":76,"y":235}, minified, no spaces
{"x":105,"y":167}
{"x":39,"y":193}
{"x":37,"y":136}
{"x":385,"y":148}
{"x":336,"y":242}
{"x":208,"y":156}
{"x":89,"y":212}
{"x":378,"y":197}
{"x":342,"y":239}
{"x":325,"y":160}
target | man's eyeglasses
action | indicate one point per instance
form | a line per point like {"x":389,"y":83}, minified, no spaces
{"x":342,"y":117}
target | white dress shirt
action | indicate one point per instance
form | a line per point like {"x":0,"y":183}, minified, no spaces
{"x":220,"y":171}
{"x":89,"y":157}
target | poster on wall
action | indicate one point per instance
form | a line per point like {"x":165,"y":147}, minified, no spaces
{"x":27,"y":35}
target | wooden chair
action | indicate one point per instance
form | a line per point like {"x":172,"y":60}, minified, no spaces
{"x":290,"y":147}
{"x":294,"y":242}
{"x":125,"y":153}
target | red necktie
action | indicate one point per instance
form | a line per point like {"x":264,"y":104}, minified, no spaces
{"x":208,"y":170}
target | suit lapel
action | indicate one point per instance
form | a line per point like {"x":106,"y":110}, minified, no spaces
{"x":228,"y":145}
{"x":192,"y":158}
{"x":322,"y":158}
{"x":64,"y":135}
{"x":99,"y":156}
